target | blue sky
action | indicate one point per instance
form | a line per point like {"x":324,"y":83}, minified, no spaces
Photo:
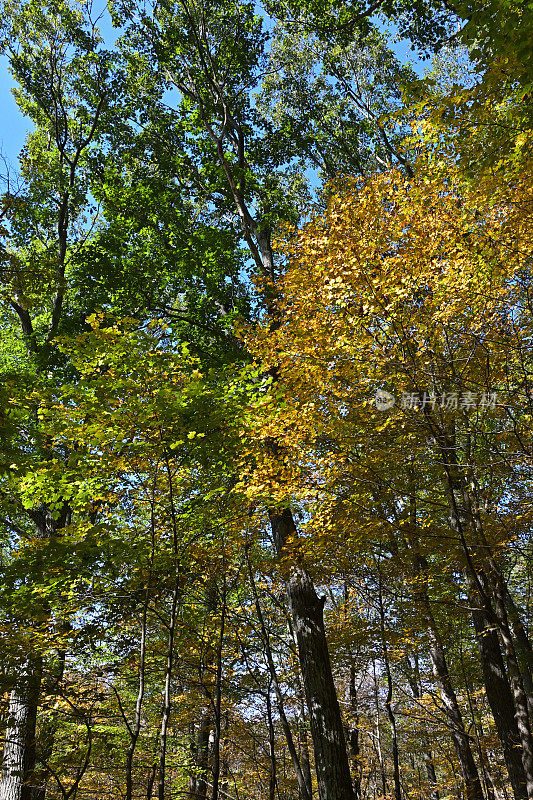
{"x":14,"y":126}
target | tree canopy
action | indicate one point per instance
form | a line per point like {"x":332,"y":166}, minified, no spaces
{"x":266,"y":402}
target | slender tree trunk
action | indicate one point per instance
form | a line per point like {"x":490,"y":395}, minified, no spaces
{"x":420,"y":567}
{"x":353,"y":736}
{"x":517,"y":688}
{"x":327,"y":731}
{"x":460,"y":738}
{"x":384,"y":786}
{"x":394,"y":735}
{"x":151,"y":781}
{"x":524,"y":651}
{"x":224,"y":767}
{"x":202,"y":757}
{"x":135,"y":729}
{"x":431,"y":775}
{"x":218,"y":698}
{"x":167,"y":696}
{"x":303,"y":741}
{"x":175,"y":598}
{"x":304,"y":788}
{"x":193,"y":754}
{"x":475,"y":726}
{"x":413,"y":678}
{"x":500,"y":699}
{"x":388,"y":701}
{"x":272,"y":778}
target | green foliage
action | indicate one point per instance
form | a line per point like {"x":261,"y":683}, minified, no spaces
{"x":145,"y":455}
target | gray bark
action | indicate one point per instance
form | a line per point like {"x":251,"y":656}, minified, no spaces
{"x":18,"y":760}
{"x":327,"y":731}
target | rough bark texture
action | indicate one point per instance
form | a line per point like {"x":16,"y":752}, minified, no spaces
{"x":17,"y":781}
{"x":18,"y":760}
{"x":327,"y":732}
{"x":500,"y":699}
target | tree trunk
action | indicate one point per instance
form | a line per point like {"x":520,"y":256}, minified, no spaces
{"x":413,"y":678}
{"x":151,"y":781}
{"x":353,"y":737}
{"x":492,"y":592}
{"x":379,"y":749}
{"x":303,"y":741}
{"x":202,"y":758}
{"x":524,"y":652}
{"x":500,"y":700}
{"x":224,"y":768}
{"x":494,"y":595}
{"x":517,"y":688}
{"x":388,"y":701}
{"x":303,"y":738}
{"x":135,"y":729}
{"x":18,"y":760}
{"x":167,"y":695}
{"x":431,"y":775}
{"x":272,"y":777}
{"x":453,"y":712}
{"x":304,"y":786}
{"x":460,"y":738}
{"x":217,"y":706}
{"x":327,"y":732}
